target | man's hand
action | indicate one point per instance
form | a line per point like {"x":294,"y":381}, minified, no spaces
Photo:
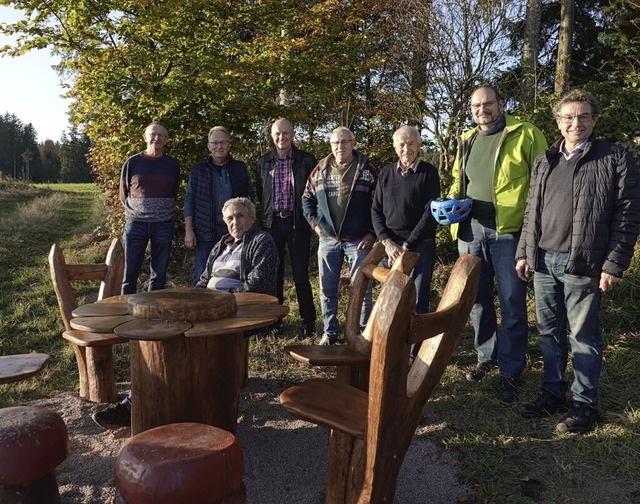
{"x":189,"y":238}
{"x":523,"y":270}
{"x":366,"y":242}
{"x":317,"y":230}
{"x":392,"y":249}
{"x":607,"y":281}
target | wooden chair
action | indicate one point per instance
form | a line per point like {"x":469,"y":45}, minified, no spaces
{"x":371,"y":432}
{"x":352,"y":359}
{"x":93,"y":350}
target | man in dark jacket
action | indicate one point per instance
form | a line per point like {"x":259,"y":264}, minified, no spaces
{"x":337,"y":204}
{"x":281,"y":176}
{"x":579,"y":233}
{"x":211,"y":183}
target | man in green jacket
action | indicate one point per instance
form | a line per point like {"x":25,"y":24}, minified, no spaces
{"x":493,"y":167}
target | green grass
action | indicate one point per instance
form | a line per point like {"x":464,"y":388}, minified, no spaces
{"x":504,"y":457}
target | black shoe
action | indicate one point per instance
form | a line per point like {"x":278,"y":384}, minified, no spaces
{"x":114,"y":417}
{"x":543,"y":406}
{"x":508,"y":389}
{"x":309,"y":330}
{"x":581,"y":419}
{"x":481,"y":369}
{"x":327,"y":340}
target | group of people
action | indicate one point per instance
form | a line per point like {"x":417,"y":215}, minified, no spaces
{"x":569,"y":212}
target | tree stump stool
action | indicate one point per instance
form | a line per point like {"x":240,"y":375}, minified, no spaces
{"x":33,"y":442}
{"x":181,"y":463}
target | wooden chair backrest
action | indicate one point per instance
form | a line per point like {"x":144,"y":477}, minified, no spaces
{"x":370,"y":270}
{"x":109,"y":273}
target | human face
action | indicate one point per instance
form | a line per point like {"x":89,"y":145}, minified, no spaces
{"x":580,"y":126}
{"x":486,"y":110}
{"x":342,"y":143}
{"x":282,"y":135}
{"x":238,"y":220}
{"x":156,"y":138}
{"x":407,"y":146}
{"x":219,"y":146}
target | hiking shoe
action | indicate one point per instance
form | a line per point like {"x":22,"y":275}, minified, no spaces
{"x":481,"y":369}
{"x":508,"y":389}
{"x":328,"y":340}
{"x":581,"y":419}
{"x":114,"y":417}
{"x":543,"y":406}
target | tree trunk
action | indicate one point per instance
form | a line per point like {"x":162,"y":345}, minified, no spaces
{"x":530,"y":51}
{"x":565,"y":39}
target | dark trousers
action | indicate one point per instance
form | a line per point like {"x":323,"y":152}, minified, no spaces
{"x":298,"y":243}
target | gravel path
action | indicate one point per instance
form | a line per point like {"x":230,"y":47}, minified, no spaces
{"x":285,"y":459}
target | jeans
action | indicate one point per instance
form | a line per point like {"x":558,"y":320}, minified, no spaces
{"x":331,"y":253}
{"x":497,"y":253}
{"x":135,"y":239}
{"x":568,"y":302}
{"x":298,"y":243}
{"x":203,"y":249}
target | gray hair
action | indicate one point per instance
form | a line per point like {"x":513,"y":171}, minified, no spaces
{"x":412,"y":130}
{"x":578,"y":95}
{"x":343,"y":128}
{"x":219,"y":128}
{"x":245,"y":202}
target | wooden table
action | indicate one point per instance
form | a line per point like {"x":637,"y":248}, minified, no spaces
{"x":188,"y":354}
{"x":19,"y":367}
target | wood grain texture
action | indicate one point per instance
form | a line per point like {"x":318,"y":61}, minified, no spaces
{"x":19,"y":367}
{"x":194,"y":305}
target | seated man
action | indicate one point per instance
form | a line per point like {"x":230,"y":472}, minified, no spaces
{"x":245,"y":260}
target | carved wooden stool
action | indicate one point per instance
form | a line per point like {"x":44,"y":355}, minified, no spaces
{"x":181,"y":463}
{"x":33,"y":442}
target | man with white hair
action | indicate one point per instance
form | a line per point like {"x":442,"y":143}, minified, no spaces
{"x":337,"y":204}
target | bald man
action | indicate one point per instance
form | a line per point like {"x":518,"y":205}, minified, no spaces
{"x":281,"y":176}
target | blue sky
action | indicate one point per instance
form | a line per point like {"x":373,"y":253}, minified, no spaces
{"x":30,"y":88}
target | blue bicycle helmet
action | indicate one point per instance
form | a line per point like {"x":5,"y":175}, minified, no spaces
{"x":449,"y":211}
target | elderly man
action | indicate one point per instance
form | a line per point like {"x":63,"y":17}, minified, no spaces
{"x":149,"y":185}
{"x":401,"y":210}
{"x":493,"y":166}
{"x":281,"y":176}
{"x":579,"y":233}
{"x":337,"y":203}
{"x":211,"y":183}
{"x":245,"y":259}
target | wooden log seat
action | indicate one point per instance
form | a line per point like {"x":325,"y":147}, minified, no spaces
{"x":19,"y":367}
{"x":33,"y":442}
{"x":181,"y":463}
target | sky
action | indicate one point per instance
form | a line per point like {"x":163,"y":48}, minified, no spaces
{"x":30,"y":88}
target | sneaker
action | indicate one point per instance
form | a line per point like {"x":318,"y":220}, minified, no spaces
{"x":481,"y":369}
{"x":508,"y":389}
{"x":581,"y":419}
{"x":543,"y":406}
{"x":328,"y":340}
{"x":114,"y":417}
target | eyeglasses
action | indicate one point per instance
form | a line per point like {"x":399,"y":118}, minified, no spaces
{"x":487,"y":104}
{"x":221,"y":143}
{"x":582,"y":118}
{"x":342,"y":142}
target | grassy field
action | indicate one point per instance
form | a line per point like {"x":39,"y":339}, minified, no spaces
{"x":505,"y":458}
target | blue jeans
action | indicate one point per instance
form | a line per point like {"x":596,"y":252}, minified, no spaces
{"x":568,"y":302}
{"x":135,"y":238}
{"x":297,"y":240}
{"x":331,"y":253}
{"x":203,"y":249}
{"x":497,"y":253}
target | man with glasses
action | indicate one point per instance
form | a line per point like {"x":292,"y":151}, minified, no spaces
{"x":493,"y":167}
{"x":579,"y":233}
{"x":337,"y":203}
{"x":149,"y":185}
{"x":211,"y":183}
{"x":281,"y":176}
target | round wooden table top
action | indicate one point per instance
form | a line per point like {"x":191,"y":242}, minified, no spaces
{"x":100,"y":309}
{"x":195,"y":305}
{"x":19,"y":367}
{"x":104,"y":324}
{"x":152,"y":330}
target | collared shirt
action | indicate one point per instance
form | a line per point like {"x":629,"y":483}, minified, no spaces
{"x":413,"y":166}
{"x":282,"y":193}
{"x":575,"y":152}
